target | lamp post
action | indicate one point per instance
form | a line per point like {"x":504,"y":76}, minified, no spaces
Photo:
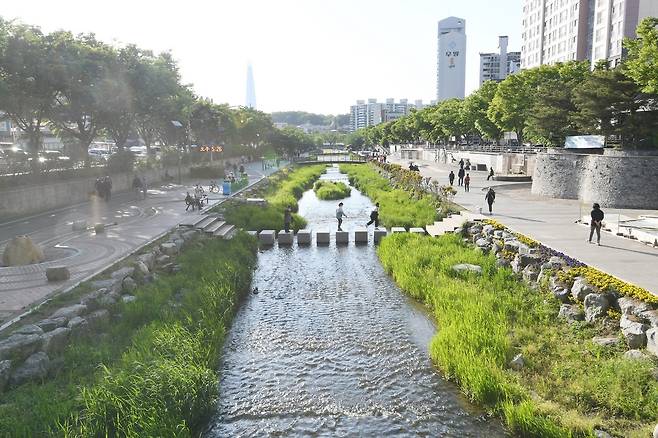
{"x":178,"y":124}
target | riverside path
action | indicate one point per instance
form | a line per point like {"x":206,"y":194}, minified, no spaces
{"x":85,"y":253}
{"x":553,"y":223}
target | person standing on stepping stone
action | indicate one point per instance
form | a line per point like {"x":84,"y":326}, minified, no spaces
{"x":287,"y":219}
{"x":374,"y":216}
{"x":340,"y":214}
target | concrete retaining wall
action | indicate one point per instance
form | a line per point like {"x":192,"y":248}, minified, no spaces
{"x":615,"y":179}
{"x":34,"y":199}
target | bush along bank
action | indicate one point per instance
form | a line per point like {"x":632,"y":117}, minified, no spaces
{"x":330,"y":190}
{"x":140,"y":350}
{"x":279,"y":191}
{"x":512,"y":346}
{"x":405,"y":198}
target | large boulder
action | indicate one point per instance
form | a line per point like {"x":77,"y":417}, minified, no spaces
{"x":606,"y":341}
{"x":148,"y":259}
{"x":466,"y":268}
{"x":56,"y":340}
{"x":21,"y":251}
{"x":522,"y":260}
{"x":20,"y":346}
{"x":652,"y":341}
{"x":121,"y":274}
{"x":632,"y":306}
{"x":35,"y":367}
{"x":141,"y":267}
{"x":488,"y":230}
{"x":111,"y":284}
{"x":69,"y":311}
{"x":635,"y":334}
{"x":28,"y":329}
{"x":562,"y":295}
{"x":530,"y":273}
{"x":5,"y":369}
{"x":650,"y":317}
{"x":169,"y":248}
{"x":129,"y":285}
{"x":52,"y":323}
{"x":98,"y":318}
{"x":571,"y":313}
{"x":596,"y":306}
{"x":635,"y":355}
{"x":581,"y":288}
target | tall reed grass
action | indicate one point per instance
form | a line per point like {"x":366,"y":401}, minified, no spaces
{"x":568,"y":387}
{"x":330,"y":190}
{"x":151,"y":373}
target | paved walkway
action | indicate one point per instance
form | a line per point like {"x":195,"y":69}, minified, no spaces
{"x":553,"y":222}
{"x":85,"y":253}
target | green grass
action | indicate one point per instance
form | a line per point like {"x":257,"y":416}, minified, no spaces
{"x":397,"y":207}
{"x":283,"y":189}
{"x":330,"y":190}
{"x":151,"y":373}
{"x":569,"y":385}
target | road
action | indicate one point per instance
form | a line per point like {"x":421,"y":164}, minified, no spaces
{"x":134,"y":223}
{"x":553,"y":223}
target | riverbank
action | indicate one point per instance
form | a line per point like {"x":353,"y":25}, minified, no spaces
{"x":149,"y":369}
{"x":565,"y":385}
{"x":280,"y":190}
{"x":403,"y":200}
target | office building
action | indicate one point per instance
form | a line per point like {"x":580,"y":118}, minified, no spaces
{"x":567,"y":30}
{"x":451,"y":59}
{"x":497,"y":66}
{"x":371,"y":113}
{"x":250,"y":100}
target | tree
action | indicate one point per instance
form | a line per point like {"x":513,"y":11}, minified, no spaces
{"x":610,"y":103}
{"x":253,"y":126}
{"x":81,"y":64}
{"x":447,"y":119}
{"x":475,"y":108}
{"x":642,"y":63}
{"x":553,"y":114}
{"x":27,"y":86}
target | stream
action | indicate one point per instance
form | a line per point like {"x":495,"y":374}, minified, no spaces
{"x":330,"y":346}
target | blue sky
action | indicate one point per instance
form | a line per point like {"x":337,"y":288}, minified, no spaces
{"x":308,"y":55}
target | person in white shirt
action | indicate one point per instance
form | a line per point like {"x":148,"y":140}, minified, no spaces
{"x":340,"y":214}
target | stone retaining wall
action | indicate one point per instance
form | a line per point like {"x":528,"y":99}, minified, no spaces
{"x":616,"y":179}
{"x":22,"y":201}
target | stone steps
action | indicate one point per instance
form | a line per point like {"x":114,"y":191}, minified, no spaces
{"x":451,"y":223}
{"x":214,"y":226}
{"x":206,"y":222}
{"x":226,"y":231}
{"x":192,"y":221}
{"x":322,"y":237}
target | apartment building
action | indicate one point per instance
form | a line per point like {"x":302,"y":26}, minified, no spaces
{"x":497,"y":66}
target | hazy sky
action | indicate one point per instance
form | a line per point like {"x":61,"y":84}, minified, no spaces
{"x":318,"y":56}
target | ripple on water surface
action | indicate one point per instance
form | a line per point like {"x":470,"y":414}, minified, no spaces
{"x":331,"y":347}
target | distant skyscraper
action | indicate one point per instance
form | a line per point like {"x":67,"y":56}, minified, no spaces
{"x":497,"y":66}
{"x":451,"y":59}
{"x":251,"y":88}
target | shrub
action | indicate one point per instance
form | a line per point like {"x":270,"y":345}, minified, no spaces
{"x":329,"y":190}
{"x":122,"y":161}
{"x":207,"y":172}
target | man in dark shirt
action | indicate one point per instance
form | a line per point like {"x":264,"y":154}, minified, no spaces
{"x":595,"y":223}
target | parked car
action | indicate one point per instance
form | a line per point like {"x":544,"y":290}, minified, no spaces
{"x":99,"y":155}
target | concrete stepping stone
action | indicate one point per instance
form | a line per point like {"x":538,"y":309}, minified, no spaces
{"x":322,"y":237}
{"x":266,"y":237}
{"x":285,"y":238}
{"x":361,"y":235}
{"x":304,"y":237}
{"x":379,"y":233}
{"x":398,"y":230}
{"x":342,"y":237}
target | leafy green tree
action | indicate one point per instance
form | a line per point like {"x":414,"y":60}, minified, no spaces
{"x":27,"y":85}
{"x":553,"y":114}
{"x":474,"y":111}
{"x":253,"y":127}
{"x":642,"y":63}
{"x":447,"y":119}
{"x":610,"y":103}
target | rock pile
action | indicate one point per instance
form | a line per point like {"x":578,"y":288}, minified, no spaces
{"x":581,"y":301}
{"x":30,"y":352}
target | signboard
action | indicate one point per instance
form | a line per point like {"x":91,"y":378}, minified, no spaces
{"x":584,"y":142}
{"x":211,"y":149}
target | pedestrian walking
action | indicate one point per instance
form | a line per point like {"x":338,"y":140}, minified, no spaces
{"x":491,"y":173}
{"x":340,"y":214}
{"x":189,"y":202}
{"x":451,"y":177}
{"x":467,"y":182}
{"x":596,"y":223}
{"x":137,"y":186}
{"x":108,"y":188}
{"x":461,"y":163}
{"x":287,"y":219}
{"x":490,"y":198}
{"x":374,"y":216}
{"x":460,"y":174}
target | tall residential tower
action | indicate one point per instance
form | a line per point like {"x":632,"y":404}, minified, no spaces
{"x":451,"y":59}
{"x":497,"y":66}
{"x":251,"y":88}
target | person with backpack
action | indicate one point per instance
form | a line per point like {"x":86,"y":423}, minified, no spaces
{"x":490,"y":198}
{"x":374,"y":216}
{"x":596,"y":223}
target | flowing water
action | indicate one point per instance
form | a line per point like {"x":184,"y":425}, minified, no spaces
{"x":331,"y":347}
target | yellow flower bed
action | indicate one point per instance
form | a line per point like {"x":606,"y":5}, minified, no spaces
{"x":497,"y":225}
{"x":607,"y":282}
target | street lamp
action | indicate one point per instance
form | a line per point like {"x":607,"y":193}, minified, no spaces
{"x":178,"y":124}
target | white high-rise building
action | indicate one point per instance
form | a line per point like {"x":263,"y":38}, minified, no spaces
{"x":451,"y":59}
{"x":371,"y":113}
{"x":250,"y":100}
{"x":497,"y":66}
{"x":566,"y":30}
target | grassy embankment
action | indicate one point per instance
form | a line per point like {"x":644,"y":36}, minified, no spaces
{"x":398,"y":208}
{"x":330,"y":190}
{"x":283,"y":189}
{"x":568,"y":387}
{"x":152,"y":372}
